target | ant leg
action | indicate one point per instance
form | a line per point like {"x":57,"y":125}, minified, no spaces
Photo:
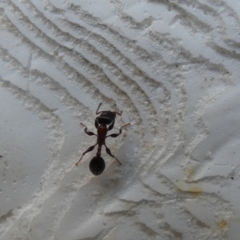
{"x":109,"y":152}
{"x":96,"y":123}
{"x":120,"y":114}
{"x":98,"y":108}
{"x":111,"y":126}
{"x":88,"y":132}
{"x":88,"y":150}
{"x":120,"y":131}
{"x":97,"y":112}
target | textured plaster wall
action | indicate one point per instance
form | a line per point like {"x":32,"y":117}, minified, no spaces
{"x":172,"y":67}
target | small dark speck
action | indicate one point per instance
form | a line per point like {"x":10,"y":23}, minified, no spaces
{"x":1,"y":156}
{"x":232,"y":178}
{"x":176,"y":65}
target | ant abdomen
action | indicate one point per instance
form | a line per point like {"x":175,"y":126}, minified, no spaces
{"x":97,"y":165}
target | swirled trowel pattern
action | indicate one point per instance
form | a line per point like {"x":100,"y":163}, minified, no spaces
{"x":172,"y":67}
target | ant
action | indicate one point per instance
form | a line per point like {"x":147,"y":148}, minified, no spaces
{"x":103,"y":123}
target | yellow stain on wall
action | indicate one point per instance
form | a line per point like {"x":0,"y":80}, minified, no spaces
{"x":189,"y":172}
{"x":222,"y":225}
{"x":190,"y":188}
{"x":195,"y":189}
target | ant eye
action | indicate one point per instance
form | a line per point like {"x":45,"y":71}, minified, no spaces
{"x":97,"y":165}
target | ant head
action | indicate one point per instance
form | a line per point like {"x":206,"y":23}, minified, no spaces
{"x":106,"y":117}
{"x":97,"y":165}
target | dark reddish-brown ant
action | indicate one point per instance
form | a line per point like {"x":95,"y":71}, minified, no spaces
{"x":104,"y":123}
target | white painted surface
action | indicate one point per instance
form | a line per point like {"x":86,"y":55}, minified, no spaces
{"x":172,"y":67}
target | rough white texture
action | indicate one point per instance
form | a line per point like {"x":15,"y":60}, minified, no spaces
{"x":172,"y":67}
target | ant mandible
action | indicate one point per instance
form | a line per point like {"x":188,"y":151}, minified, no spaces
{"x":104,"y":123}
